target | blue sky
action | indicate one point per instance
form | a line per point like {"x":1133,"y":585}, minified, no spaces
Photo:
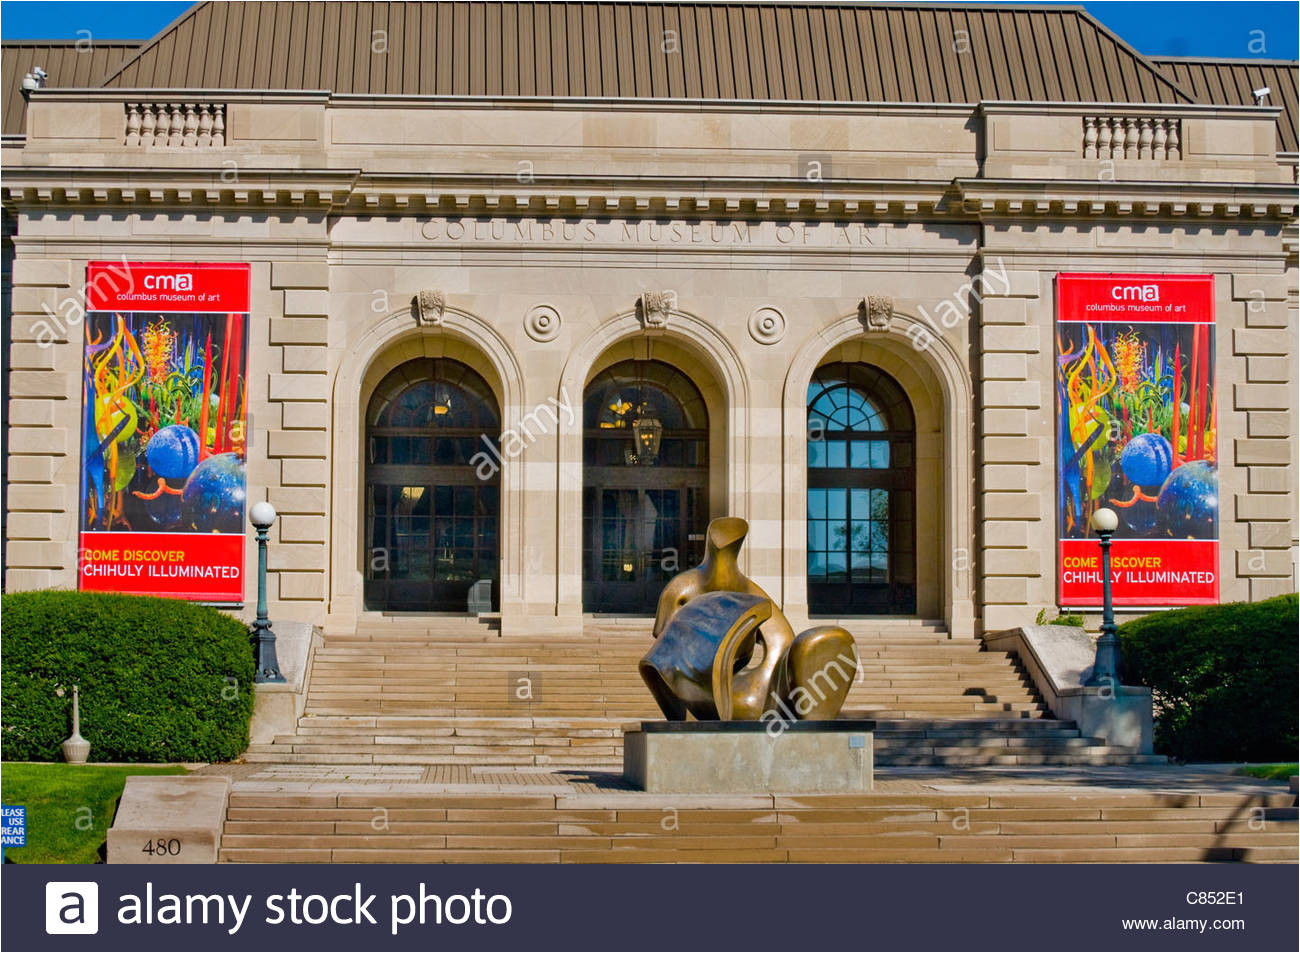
{"x":1236,"y":29}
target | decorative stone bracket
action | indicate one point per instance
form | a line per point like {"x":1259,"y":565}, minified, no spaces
{"x":654,"y":307}
{"x":428,"y":307}
{"x":875,"y":312}
{"x":176,"y":125}
{"x":1132,"y":137}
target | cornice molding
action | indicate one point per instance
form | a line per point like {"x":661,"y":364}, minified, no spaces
{"x":353,"y":192}
{"x":992,"y":199}
{"x":66,"y":187}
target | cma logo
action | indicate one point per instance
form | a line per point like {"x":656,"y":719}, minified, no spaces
{"x":1135,"y":292}
{"x":169,"y":282}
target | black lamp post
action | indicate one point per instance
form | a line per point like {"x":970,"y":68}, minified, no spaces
{"x":1105,"y":669}
{"x":262,"y":515}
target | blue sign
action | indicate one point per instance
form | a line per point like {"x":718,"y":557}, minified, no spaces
{"x":13,"y":827}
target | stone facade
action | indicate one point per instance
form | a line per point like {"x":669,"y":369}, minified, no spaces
{"x":541,"y":243}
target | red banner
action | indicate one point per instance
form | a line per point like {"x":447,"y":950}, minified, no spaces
{"x":164,"y":429}
{"x":1146,"y":572}
{"x":1136,"y":434}
{"x":163,"y":287}
{"x":1135,"y":298}
{"x":207,"y":567}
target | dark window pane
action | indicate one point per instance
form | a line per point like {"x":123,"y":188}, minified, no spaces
{"x":442,"y":497}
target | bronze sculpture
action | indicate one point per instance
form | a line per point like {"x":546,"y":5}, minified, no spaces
{"x":724,"y":650}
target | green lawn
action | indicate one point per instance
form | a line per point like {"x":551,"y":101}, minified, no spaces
{"x":70,"y":807}
{"x":1269,"y":772}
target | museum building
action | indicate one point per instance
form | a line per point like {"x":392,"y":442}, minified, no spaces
{"x":531,"y":292}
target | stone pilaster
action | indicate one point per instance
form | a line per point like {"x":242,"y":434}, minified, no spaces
{"x":44,"y":407}
{"x":1013,"y":447}
{"x":296,"y":370}
{"x":1257,"y":401}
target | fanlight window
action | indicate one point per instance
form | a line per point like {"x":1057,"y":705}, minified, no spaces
{"x":434,"y":394}
{"x":856,"y":397}
{"x":645,"y":413}
{"x":431,"y":411}
{"x":627,"y":392}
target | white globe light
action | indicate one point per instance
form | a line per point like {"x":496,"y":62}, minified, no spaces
{"x":262,"y":515}
{"x":1105,"y":520}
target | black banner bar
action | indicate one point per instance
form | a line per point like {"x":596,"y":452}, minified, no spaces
{"x":653,"y":907}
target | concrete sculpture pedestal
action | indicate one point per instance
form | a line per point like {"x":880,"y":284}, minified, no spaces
{"x":748,"y":757}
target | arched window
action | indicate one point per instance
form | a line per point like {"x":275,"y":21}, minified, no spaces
{"x":645,"y":483}
{"x":432,"y":489}
{"x":649,"y":397}
{"x":861,"y":493}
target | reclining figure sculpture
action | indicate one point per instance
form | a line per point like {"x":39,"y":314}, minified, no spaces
{"x":725,"y":651}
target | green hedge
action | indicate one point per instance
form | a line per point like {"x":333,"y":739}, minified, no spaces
{"x":1224,"y":679}
{"x":160,"y":679}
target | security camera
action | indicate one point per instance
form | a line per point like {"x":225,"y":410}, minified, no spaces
{"x":34,"y":80}
{"x":1259,"y":94}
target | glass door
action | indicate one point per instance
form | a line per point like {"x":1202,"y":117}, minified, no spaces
{"x":429,"y":544}
{"x":636,"y":540}
{"x":432,"y":513}
{"x":645,"y":484}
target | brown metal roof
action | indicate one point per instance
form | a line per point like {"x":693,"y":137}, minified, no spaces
{"x":68,"y":63}
{"x":697,"y":50}
{"x":1230,"y":82}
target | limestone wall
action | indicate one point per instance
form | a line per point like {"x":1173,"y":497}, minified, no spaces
{"x":347,"y":210}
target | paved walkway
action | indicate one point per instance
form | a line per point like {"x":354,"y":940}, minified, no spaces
{"x":487,"y":779}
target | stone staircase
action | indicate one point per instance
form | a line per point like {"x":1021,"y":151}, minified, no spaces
{"x":437,"y":691}
{"x":1094,"y":826}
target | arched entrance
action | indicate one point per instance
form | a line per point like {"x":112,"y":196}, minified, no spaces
{"x":432,"y":488}
{"x":861,"y":493}
{"x":645,"y":483}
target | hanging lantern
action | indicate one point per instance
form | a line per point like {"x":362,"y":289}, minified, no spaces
{"x":442,"y":400}
{"x":646,"y":434}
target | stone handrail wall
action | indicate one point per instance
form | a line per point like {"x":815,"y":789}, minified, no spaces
{"x":176,"y":125}
{"x":1132,"y":137}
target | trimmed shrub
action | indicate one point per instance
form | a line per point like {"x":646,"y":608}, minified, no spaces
{"x":160,"y":679}
{"x":1223,"y":679}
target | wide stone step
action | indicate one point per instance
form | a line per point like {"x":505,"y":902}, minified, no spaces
{"x":446,"y":687}
{"x":1087,"y":827}
{"x":1004,"y":758}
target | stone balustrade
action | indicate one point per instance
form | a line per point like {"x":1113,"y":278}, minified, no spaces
{"x":176,"y":125}
{"x":1132,"y":137}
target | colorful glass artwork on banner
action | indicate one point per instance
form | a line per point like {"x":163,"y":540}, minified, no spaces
{"x":164,"y":429}
{"x":1135,"y":428}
